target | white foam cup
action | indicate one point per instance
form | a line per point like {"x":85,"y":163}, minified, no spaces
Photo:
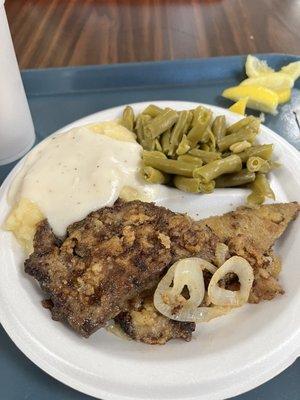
{"x":16,"y":127}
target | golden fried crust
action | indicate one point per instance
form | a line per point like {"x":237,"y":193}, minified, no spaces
{"x":262,"y":225}
{"x":111,"y":256}
{"x":145,"y":324}
{"x":250,"y":233}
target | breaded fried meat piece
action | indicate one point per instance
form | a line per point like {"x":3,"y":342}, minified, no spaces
{"x":144,"y":323}
{"x":251,"y":233}
{"x":110,"y":257}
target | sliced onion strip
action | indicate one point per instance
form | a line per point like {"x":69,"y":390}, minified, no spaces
{"x":200,"y":314}
{"x":224,"y":297}
{"x":187,"y":272}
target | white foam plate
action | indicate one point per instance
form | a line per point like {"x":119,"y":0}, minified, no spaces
{"x":226,"y":356}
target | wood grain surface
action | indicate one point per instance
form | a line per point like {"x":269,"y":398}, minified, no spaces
{"x":53,"y":33}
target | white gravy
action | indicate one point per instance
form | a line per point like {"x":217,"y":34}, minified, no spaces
{"x":73,"y":173}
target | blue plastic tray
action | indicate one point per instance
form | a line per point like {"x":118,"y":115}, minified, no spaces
{"x":59,"y":96}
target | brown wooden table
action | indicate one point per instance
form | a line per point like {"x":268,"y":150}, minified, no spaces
{"x":53,"y":33}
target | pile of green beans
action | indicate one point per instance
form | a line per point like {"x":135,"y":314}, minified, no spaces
{"x":197,"y":153}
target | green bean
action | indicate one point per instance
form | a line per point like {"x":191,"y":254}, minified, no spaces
{"x":236,"y":127}
{"x":156,"y":154}
{"x":152,"y":175}
{"x":219,"y":127}
{"x":268,"y":166}
{"x":139,"y":129}
{"x":247,"y":134}
{"x":179,"y":129}
{"x":254,"y":125}
{"x":212,"y":139}
{"x":206,"y":156}
{"x":265,"y":168}
{"x":263,"y":151}
{"x":187,"y":158}
{"x":163,"y":121}
{"x":216,"y":168}
{"x":128,"y":118}
{"x":255,"y":199}
{"x":255,"y":164}
{"x":198,"y":114}
{"x":152,"y":110}
{"x":184,"y":146}
{"x":189,"y":121}
{"x":226,"y":154}
{"x":195,"y":134}
{"x":169,"y":166}
{"x":149,"y":144}
{"x":205,"y":147}
{"x":207,"y":187}
{"x":146,"y":142}
{"x":193,"y":185}
{"x":202,"y":119}
{"x":239,"y":178}
{"x":206,"y":135}
{"x":158,"y":145}
{"x":262,"y":186}
{"x":238,"y":147}
{"x":145,"y":119}
{"x":165,"y":141}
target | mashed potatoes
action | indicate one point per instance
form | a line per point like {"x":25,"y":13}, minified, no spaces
{"x":22,"y":221}
{"x":113,"y":130}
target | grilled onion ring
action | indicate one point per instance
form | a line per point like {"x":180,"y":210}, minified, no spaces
{"x":224,"y":297}
{"x":169,"y":301}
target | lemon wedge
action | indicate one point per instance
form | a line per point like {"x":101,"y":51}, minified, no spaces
{"x":260,"y":98}
{"x":240,"y":106}
{"x":292,"y":69}
{"x":283,"y":95}
{"x":273,"y":81}
{"x":255,"y":67}
{"x":264,"y":88}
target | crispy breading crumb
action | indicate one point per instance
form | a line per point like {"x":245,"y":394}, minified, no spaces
{"x":129,"y":235}
{"x":165,"y":240}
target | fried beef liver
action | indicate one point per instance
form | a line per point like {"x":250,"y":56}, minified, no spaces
{"x":251,"y":233}
{"x":110,"y":257}
{"x":145,"y":324}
